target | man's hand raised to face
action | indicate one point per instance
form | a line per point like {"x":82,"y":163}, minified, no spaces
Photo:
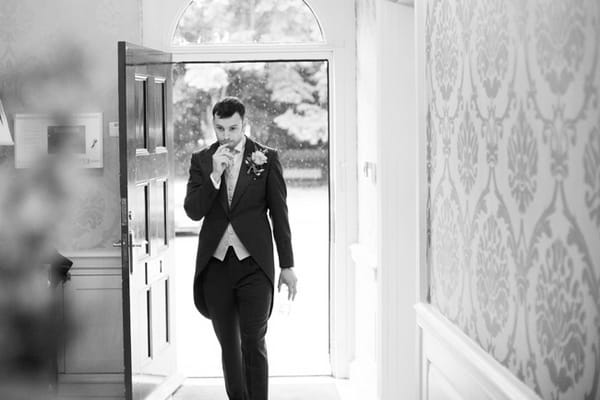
{"x":222,"y":159}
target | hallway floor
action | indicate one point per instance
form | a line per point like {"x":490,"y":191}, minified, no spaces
{"x":304,"y":388}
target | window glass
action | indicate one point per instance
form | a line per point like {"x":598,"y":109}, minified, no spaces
{"x":251,"y":21}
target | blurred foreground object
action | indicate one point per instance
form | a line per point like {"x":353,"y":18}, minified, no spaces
{"x":59,"y":269}
{"x":32,"y":204}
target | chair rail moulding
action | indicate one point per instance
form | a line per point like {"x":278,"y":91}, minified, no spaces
{"x":99,"y":253}
{"x":468,"y":369}
{"x":410,"y":3}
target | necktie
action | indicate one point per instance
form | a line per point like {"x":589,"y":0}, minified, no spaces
{"x":230,"y":176}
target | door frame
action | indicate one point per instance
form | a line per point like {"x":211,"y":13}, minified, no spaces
{"x":423,"y":273}
{"x":337,"y":224}
{"x":339,"y":50}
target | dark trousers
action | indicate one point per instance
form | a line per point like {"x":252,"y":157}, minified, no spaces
{"x":238,"y":295}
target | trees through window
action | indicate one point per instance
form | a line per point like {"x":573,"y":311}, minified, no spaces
{"x":245,"y":22}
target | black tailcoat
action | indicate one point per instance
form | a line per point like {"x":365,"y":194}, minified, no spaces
{"x":252,"y":198}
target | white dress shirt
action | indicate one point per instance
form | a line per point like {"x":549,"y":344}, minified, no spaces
{"x":230,"y":238}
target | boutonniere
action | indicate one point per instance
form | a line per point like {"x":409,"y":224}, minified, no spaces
{"x":256,"y":162}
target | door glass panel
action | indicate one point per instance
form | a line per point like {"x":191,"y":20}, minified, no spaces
{"x":163,"y":204}
{"x":167,"y":300}
{"x":159,"y":314}
{"x":141,"y":100}
{"x":160,"y":113}
{"x":149,"y":322}
{"x":142,"y":234}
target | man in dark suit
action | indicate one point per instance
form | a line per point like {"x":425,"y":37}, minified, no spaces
{"x":232,"y":184}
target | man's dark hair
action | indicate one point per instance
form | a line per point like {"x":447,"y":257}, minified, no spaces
{"x":228,"y":106}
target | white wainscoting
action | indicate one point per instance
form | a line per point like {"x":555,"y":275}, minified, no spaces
{"x":456,"y":368}
{"x":91,"y":364}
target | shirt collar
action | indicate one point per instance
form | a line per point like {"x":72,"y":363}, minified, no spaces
{"x":240,"y":146}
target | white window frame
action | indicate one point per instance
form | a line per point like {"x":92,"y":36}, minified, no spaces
{"x":337,"y":21}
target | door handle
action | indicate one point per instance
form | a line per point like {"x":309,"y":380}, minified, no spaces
{"x":119,"y":243}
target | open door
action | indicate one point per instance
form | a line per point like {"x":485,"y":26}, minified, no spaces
{"x":147,"y":228}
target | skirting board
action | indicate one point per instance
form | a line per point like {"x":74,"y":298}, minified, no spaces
{"x":91,"y":386}
{"x":451,"y":360}
{"x":109,"y":386}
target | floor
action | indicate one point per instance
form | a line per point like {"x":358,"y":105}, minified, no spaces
{"x":288,"y":388}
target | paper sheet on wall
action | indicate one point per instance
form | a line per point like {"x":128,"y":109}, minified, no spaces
{"x":37,"y":135}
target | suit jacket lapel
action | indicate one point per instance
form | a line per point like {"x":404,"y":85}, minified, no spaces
{"x":243,"y":177}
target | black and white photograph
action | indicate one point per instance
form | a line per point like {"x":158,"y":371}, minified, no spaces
{"x":300,"y":200}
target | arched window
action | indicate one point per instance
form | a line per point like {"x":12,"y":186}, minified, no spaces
{"x":247,"y":22}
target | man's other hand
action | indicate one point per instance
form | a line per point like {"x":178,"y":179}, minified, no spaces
{"x":288,"y":277}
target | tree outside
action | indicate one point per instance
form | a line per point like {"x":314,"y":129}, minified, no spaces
{"x":286,"y":103}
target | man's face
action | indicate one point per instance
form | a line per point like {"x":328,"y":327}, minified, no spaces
{"x":230,"y":130}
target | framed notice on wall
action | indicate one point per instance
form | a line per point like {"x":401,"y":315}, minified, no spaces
{"x":78,"y":135}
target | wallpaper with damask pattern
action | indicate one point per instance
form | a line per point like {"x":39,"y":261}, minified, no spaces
{"x":65,"y":50}
{"x":513,"y":134}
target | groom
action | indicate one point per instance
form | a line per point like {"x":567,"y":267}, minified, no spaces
{"x":232,"y":184}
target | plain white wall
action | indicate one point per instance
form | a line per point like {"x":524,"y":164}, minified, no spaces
{"x":398,"y":171}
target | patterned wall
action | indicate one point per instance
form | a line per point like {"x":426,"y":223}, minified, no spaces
{"x":514,"y":183}
{"x":66,"y":50}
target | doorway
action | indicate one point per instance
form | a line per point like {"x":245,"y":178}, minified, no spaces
{"x":321,"y":30}
{"x":287,"y":108}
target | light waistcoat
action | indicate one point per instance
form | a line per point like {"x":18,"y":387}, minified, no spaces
{"x":230,"y":238}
